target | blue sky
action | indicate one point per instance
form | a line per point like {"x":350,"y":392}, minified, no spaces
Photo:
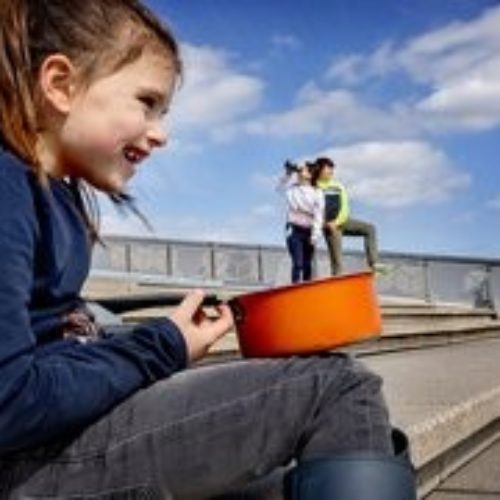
{"x":404,"y":95}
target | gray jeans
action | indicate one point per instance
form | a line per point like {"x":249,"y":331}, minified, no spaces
{"x":352,"y":227}
{"x":210,"y":430}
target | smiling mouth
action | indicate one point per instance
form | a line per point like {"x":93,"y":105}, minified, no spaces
{"x":134,"y":155}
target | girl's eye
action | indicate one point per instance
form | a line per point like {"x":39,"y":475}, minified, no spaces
{"x":149,"y":102}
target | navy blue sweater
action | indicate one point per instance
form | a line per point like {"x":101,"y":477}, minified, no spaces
{"x":51,"y":387}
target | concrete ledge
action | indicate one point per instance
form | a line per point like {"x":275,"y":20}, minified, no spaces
{"x":227,"y":347}
{"x":444,"y":443}
{"x":440,"y":328}
{"x":431,"y":437}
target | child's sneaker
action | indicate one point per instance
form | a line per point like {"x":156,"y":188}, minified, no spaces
{"x":381,"y":269}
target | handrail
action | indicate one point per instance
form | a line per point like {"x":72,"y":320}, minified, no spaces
{"x":469,"y":280}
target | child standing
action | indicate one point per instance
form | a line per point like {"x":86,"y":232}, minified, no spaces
{"x":305,"y":206}
{"x":83,"y":87}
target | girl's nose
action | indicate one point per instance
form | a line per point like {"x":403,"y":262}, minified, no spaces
{"x":157,"y":135}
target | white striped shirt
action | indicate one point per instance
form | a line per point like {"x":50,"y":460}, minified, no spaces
{"x":305,"y":206}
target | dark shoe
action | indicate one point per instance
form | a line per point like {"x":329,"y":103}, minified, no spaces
{"x":357,"y":476}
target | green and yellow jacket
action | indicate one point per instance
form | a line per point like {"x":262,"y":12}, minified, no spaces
{"x":336,"y":201}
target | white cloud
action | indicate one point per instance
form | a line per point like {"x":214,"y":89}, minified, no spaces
{"x":213,"y":93}
{"x":265,"y":182}
{"x":459,"y":64}
{"x":472,"y":103}
{"x":265,"y":210}
{"x":462,"y":64}
{"x":288,"y":42}
{"x":439,"y":56}
{"x":250,"y":225}
{"x":397,"y":174}
{"x":447,"y":54}
{"x":126,"y":224}
{"x":351,"y":69}
{"x":338,"y":114}
{"x":346,"y":69}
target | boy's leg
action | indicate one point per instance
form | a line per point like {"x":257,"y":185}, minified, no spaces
{"x":210,"y":430}
{"x":355,"y":227}
{"x":333,"y":238}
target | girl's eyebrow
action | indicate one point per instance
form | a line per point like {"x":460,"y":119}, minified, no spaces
{"x":156,"y":94}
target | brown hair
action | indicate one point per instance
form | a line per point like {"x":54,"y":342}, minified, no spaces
{"x":317,"y":168}
{"x":91,"y":33}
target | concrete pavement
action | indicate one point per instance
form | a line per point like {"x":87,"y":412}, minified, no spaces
{"x":443,"y":397}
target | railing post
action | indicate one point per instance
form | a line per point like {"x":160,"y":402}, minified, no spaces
{"x":213,"y":262}
{"x":489,"y":288}
{"x":427,"y":281}
{"x":128,"y":257}
{"x":260,"y":266}
{"x":168,"y":259}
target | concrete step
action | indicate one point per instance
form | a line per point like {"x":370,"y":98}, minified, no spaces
{"x":448,"y":401}
{"x":400,"y":316}
{"x":421,"y":326}
{"x":227,"y":347}
{"x":432,"y":317}
{"x":391,"y":326}
{"x":428,"y":326}
{"x":476,"y":479}
{"x":432,"y":310}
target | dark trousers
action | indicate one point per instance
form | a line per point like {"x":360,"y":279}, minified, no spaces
{"x":352,"y":227}
{"x":208,"y":431}
{"x":301,"y":251}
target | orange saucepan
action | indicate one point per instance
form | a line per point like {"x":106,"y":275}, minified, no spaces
{"x":310,"y":317}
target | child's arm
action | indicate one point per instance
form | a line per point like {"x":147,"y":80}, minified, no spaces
{"x":47,"y":392}
{"x":318,"y":216}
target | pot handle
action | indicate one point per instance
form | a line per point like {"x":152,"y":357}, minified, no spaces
{"x":238,"y":310}
{"x":127,"y":303}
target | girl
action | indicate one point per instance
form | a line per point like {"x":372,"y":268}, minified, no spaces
{"x":83,"y":87}
{"x":305,"y":207}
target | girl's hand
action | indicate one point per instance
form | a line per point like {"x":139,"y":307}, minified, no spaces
{"x":199,"y":331}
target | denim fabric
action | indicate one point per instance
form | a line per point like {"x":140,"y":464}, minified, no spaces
{"x":210,"y":430}
{"x":301,"y":251}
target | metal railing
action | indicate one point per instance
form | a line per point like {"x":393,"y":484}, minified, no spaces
{"x":430,"y":278}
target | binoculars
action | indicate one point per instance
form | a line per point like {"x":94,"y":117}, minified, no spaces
{"x":290,"y":167}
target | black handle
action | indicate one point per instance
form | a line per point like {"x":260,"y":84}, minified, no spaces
{"x":127,"y":303}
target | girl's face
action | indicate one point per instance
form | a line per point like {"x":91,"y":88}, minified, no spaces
{"x":115,"y":123}
{"x":304,"y":173}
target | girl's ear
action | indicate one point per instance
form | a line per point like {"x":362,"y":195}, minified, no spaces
{"x":57,"y":78}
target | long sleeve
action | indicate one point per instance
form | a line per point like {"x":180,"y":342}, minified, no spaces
{"x":318,"y":216}
{"x":286,"y":181}
{"x":50,"y":389}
